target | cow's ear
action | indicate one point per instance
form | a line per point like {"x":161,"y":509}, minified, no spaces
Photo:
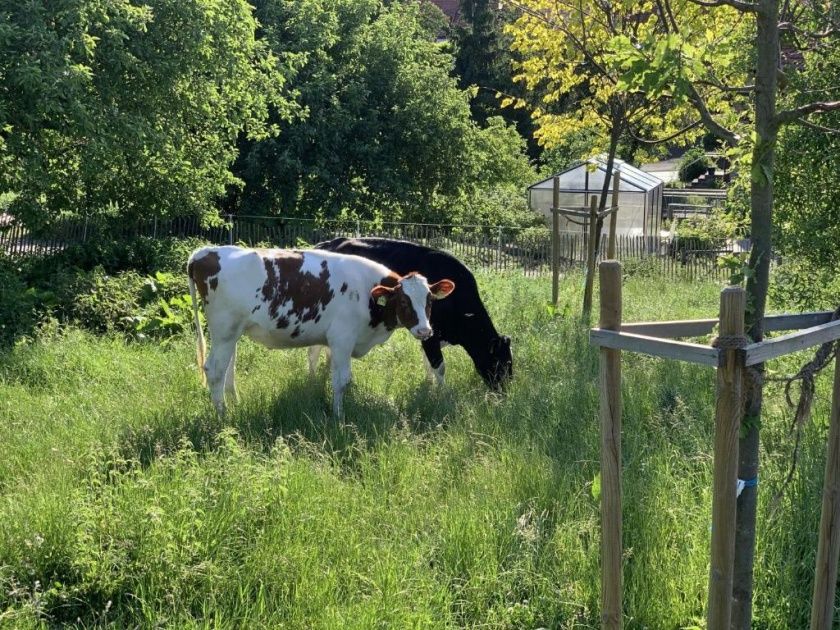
{"x":381,"y":293}
{"x":441,"y":289}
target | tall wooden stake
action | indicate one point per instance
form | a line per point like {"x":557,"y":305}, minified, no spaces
{"x":610,"y":388}
{"x":555,"y":243}
{"x":613,"y":215}
{"x":828,"y":549}
{"x":727,"y":424}
{"x":591,"y":250}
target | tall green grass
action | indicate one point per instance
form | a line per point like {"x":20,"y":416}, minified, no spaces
{"x":126,"y":502}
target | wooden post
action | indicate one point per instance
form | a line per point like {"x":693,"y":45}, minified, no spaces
{"x":828,"y":549}
{"x":591,"y":249}
{"x":727,"y":423}
{"x":555,"y":243}
{"x":610,"y":388}
{"x":613,"y":215}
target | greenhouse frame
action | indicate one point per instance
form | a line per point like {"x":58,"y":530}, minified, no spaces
{"x":639,"y":202}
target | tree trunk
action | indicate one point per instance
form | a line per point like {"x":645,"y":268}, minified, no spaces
{"x":615,"y":136}
{"x":761,"y":220}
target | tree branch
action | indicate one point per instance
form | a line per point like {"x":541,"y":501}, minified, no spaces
{"x":791,"y":115}
{"x":671,"y":137}
{"x":728,"y":136}
{"x":747,"y":7}
{"x":744,"y":89}
{"x":808,"y":123}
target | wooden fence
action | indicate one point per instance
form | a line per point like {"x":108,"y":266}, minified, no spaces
{"x":732,"y":355}
{"x":495,"y":248}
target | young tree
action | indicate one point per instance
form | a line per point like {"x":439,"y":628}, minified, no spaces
{"x":739,"y":102}
{"x":729,"y":61}
{"x":567,"y":62}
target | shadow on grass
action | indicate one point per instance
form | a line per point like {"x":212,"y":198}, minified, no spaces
{"x":299,"y":413}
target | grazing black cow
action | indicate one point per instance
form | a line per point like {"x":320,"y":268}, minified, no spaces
{"x":459,"y":320}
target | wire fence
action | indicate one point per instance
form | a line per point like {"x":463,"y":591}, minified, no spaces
{"x":494,"y":248}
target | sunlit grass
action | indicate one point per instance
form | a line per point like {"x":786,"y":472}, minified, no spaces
{"x":126,"y":501}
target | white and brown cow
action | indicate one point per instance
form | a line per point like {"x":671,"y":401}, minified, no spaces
{"x":293,"y":299}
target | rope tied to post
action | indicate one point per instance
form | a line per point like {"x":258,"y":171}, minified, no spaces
{"x":730,"y":342}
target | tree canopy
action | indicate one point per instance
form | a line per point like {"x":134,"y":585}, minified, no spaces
{"x":107,"y":107}
{"x":385,"y":130}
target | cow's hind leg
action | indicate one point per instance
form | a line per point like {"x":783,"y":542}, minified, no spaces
{"x":230,"y":379}
{"x":433,"y":359}
{"x":216,"y":368}
{"x":341,"y":377}
{"x":314,"y":354}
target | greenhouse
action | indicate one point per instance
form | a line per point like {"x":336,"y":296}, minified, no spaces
{"x":639,"y":202}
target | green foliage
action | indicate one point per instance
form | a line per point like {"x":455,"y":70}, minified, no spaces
{"x":806,"y":184}
{"x":386,"y":132}
{"x":18,"y":303}
{"x":120,"y":109}
{"x":709,"y":231}
{"x":737,"y":264}
{"x":168,"y":312}
{"x":483,"y":62}
{"x":693,"y":164}
{"x":90,"y":287}
{"x":799,"y":285}
{"x":107,"y":303}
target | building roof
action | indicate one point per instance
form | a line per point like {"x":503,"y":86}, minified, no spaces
{"x":632,"y":178}
{"x":450,"y":8}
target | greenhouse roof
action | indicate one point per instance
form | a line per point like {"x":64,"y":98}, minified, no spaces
{"x":630,"y":176}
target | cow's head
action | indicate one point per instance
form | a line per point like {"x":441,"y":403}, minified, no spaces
{"x":497,"y":368}
{"x":409,"y":302}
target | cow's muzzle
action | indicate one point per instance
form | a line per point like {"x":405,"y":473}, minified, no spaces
{"x":423,"y":333}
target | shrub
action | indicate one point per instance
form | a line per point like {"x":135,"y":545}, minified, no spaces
{"x":111,"y":301}
{"x":18,"y":303}
{"x":693,"y":164}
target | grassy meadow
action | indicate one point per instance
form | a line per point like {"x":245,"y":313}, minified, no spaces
{"x":126,"y":502}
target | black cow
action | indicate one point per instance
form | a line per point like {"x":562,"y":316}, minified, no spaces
{"x":461,"y":319}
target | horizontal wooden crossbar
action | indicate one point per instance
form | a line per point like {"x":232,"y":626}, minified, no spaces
{"x":655,"y":338}
{"x":584,"y":214}
{"x":658,"y":347}
{"x":607,"y":212}
{"x":800,"y":340}
{"x":698,"y":327}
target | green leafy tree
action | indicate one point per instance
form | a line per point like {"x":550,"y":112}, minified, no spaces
{"x":807,"y":221}
{"x":567,"y":49}
{"x":110,"y":107}
{"x":745,"y":96}
{"x":386,"y":133}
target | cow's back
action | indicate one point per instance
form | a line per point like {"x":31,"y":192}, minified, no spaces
{"x":448,"y":316}
{"x":285,"y":298}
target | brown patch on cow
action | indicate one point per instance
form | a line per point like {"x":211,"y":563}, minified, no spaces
{"x":286,"y":287}
{"x":343,"y":287}
{"x":296,"y":332}
{"x":397,"y":311}
{"x":201,"y":269}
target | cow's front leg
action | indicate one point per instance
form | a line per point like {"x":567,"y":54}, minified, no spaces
{"x":341,"y":377}
{"x":230,"y":379}
{"x":433,"y":358}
